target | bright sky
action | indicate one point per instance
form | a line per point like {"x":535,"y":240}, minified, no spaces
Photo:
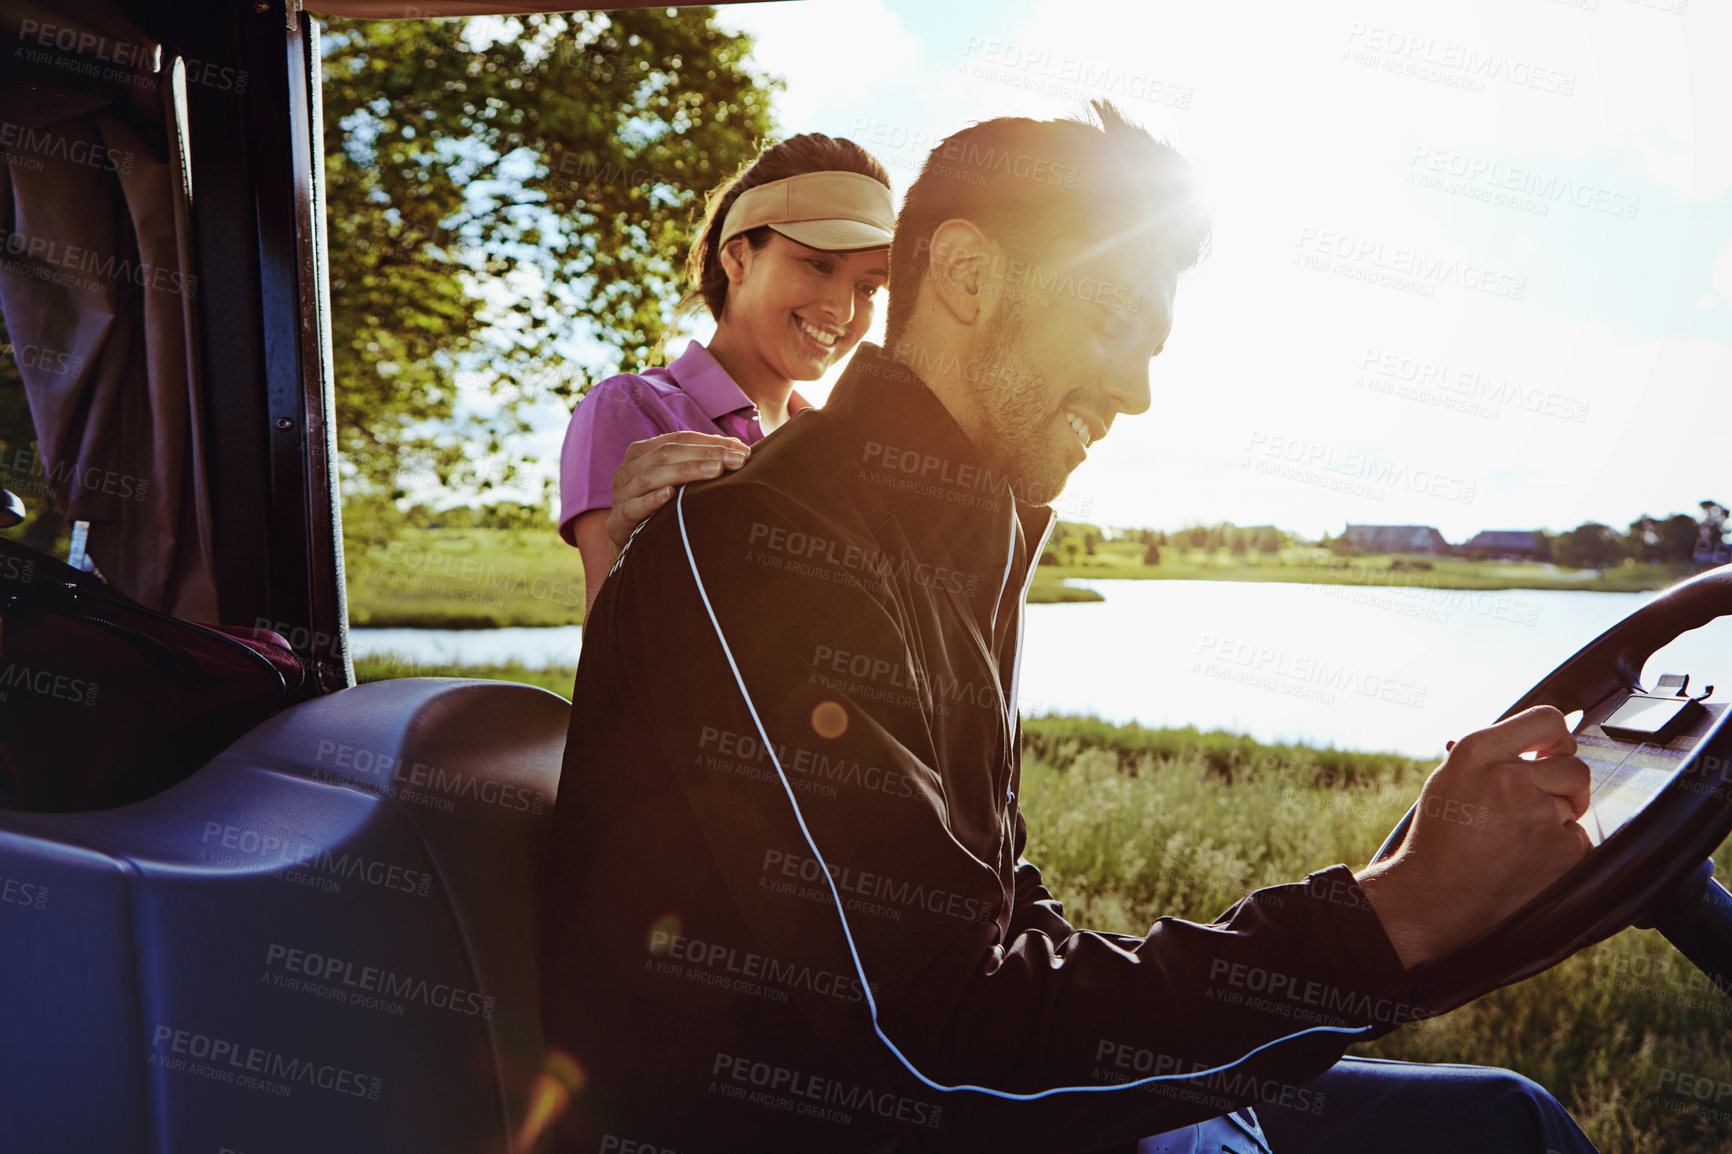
{"x":1472,"y":265}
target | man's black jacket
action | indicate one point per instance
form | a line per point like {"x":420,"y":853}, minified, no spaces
{"x":842,"y":615}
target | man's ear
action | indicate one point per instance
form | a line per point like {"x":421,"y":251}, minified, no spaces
{"x":733,"y":256}
{"x":964,"y":270}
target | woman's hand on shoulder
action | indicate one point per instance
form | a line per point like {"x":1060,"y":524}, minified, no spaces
{"x":653,"y":468}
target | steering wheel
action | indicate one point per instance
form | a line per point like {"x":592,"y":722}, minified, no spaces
{"x":1652,"y":869}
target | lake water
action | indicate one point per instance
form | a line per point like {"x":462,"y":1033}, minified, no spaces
{"x":1356,"y":667}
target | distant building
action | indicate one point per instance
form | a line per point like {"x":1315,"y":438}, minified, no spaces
{"x":1396,"y":539}
{"x":1507,"y":544}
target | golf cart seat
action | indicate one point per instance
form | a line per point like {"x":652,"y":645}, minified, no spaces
{"x":324,"y":939}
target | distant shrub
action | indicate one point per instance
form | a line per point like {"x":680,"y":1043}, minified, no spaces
{"x":1227,"y":756}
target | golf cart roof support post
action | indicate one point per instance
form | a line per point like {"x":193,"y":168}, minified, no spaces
{"x":330,"y":598}
{"x":285,"y":144}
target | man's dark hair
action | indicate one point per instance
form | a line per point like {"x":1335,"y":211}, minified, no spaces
{"x":808,"y":152}
{"x":1032,"y":183}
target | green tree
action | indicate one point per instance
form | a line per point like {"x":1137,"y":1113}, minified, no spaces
{"x":1678,"y":537}
{"x":564,"y":162}
{"x":1643,"y":541}
{"x":1589,"y":545}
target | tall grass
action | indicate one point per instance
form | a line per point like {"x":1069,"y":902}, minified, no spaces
{"x":1130,"y":824}
{"x":556,"y":679}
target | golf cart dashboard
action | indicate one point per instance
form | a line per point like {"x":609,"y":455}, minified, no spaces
{"x":1636,"y":744}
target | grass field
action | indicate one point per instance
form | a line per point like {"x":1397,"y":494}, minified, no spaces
{"x":1130,"y":824}
{"x":464,"y":579}
{"x":1124,"y":559}
{"x":1052,"y":590}
{"x":483,"y":578}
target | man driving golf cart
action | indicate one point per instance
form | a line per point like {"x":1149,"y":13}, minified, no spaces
{"x":788,"y":908}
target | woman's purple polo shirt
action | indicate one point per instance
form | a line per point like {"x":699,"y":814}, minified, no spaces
{"x":693,"y":393}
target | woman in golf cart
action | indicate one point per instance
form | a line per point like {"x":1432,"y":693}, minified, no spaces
{"x":792,"y":252}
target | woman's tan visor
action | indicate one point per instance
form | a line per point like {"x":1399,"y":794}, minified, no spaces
{"x":833,"y":211}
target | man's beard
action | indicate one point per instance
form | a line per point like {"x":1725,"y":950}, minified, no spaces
{"x":1016,"y":409}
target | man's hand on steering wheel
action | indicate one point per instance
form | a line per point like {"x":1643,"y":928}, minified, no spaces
{"x":1492,"y":829}
{"x":653,"y":468}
